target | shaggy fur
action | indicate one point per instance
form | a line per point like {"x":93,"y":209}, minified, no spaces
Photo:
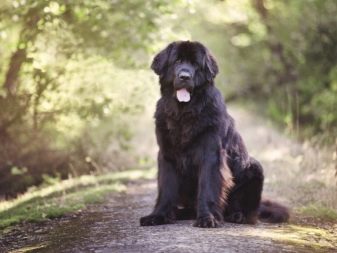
{"x":205,"y":172}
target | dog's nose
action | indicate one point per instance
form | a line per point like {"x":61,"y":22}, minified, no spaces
{"x":184,"y":76}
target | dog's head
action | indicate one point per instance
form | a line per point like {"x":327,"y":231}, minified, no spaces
{"x":183,"y":67}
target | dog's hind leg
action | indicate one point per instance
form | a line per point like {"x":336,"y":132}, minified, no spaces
{"x":245,"y":197}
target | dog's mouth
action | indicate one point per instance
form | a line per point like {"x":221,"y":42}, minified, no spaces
{"x":183,"y":95}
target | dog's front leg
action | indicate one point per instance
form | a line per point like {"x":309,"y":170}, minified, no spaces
{"x":210,"y":205}
{"x":163,"y":212}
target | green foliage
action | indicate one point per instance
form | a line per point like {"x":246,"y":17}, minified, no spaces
{"x":300,"y":68}
{"x":64,"y":70}
{"x":279,"y":53}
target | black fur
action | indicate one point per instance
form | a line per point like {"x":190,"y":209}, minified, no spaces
{"x":273,"y":212}
{"x":205,"y":172}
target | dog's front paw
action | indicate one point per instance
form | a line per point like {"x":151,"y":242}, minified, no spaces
{"x":206,"y":222}
{"x":153,"y":220}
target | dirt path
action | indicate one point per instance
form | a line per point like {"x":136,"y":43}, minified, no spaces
{"x":114,"y":225}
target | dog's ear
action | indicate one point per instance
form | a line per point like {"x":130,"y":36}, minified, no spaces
{"x":211,"y":66}
{"x":161,"y":59}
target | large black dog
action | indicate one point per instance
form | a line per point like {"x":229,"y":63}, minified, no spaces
{"x":205,"y":171}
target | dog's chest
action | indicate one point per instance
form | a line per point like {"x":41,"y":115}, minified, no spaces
{"x":181,"y":130}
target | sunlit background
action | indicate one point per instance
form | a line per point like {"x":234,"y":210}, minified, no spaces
{"x":77,"y":95}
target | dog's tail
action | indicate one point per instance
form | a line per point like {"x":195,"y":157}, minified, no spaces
{"x":273,"y":212}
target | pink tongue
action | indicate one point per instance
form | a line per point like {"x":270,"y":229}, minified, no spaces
{"x":183,"y":95}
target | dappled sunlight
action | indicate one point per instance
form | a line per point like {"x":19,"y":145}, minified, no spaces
{"x":273,"y":154}
{"x":46,"y":191}
{"x":39,"y":246}
{"x":66,"y":195}
{"x":228,"y":12}
{"x":82,"y":181}
{"x":295,"y":235}
{"x":129,"y":175}
{"x":298,"y":235}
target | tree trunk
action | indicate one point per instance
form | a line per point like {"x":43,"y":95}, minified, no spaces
{"x":28,"y":33}
{"x":12,"y":75}
{"x":288,"y":77}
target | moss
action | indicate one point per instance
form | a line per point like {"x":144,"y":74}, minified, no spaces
{"x":315,"y":238}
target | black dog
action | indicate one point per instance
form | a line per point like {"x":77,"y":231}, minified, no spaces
{"x":205,"y":171}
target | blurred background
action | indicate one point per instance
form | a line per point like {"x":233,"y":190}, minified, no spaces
{"x":77,"y":95}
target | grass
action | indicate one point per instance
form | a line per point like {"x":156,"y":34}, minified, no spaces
{"x":319,"y":211}
{"x":65,"y":196}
